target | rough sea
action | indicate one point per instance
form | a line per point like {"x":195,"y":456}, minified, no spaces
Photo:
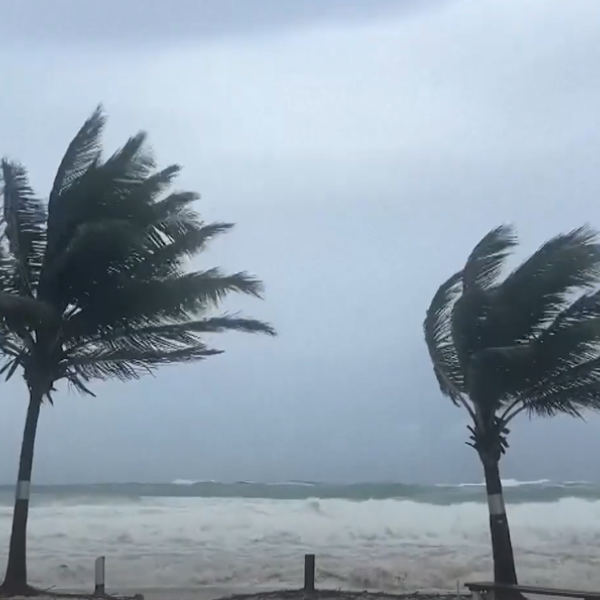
{"x":387,"y":536}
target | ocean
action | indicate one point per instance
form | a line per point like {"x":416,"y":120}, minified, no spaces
{"x":386,"y":536}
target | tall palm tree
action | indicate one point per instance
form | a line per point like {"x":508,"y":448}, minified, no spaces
{"x":528,"y":343}
{"x":93,"y":285}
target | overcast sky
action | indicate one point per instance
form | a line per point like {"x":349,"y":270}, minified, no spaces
{"x":362,"y":148}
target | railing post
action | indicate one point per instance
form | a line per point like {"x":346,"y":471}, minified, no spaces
{"x":309,"y":572}
{"x":99,"y":573}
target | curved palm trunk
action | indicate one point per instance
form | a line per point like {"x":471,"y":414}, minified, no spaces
{"x":15,"y":580}
{"x":502,"y":550}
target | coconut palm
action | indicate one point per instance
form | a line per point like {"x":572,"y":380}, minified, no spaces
{"x":93,"y":285}
{"x":528,"y":343}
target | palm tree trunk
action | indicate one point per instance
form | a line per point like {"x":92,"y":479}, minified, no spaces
{"x":502,"y":550}
{"x":15,"y":580}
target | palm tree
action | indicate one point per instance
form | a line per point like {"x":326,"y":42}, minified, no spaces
{"x":93,"y":285}
{"x":529,"y":343}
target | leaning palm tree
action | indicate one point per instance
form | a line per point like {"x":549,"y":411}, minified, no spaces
{"x":93,"y":285}
{"x":528,"y":343}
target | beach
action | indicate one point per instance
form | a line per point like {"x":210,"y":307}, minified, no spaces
{"x":208,"y":540}
{"x":218,"y":594}
{"x":222,"y":594}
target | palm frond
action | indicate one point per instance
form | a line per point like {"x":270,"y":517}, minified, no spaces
{"x":11,"y":364}
{"x":488,"y":257}
{"x":438,"y":337}
{"x":10,"y":343}
{"x":145,"y":302}
{"x":131,"y":363}
{"x":567,"y":401}
{"x":165,"y":258}
{"x":573,"y":337}
{"x":83,"y":151}
{"x":469,"y":327}
{"x":185,"y":332}
{"x":9,"y":271}
{"x":154,"y":184}
{"x":188,"y":293}
{"x":105,"y":191}
{"x":95,"y":252}
{"x":568,"y":381}
{"x":24,"y":217}
{"x":231,"y":323}
{"x":536,"y":291}
{"x":174,"y":204}
{"x":571,"y":340}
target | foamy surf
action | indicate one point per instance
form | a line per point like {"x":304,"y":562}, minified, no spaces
{"x":387,"y":544}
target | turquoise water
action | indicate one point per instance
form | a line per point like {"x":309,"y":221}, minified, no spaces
{"x":441,"y":494}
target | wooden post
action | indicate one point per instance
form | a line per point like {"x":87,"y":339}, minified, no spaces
{"x":99,"y":573}
{"x":309,"y":572}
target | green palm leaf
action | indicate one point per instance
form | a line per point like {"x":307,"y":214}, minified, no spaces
{"x":438,"y":337}
{"x":24,"y":218}
{"x":83,"y":151}
{"x":131,"y":363}
{"x":487,"y":259}
{"x":539,"y":289}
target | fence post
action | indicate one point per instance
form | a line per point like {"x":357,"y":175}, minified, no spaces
{"x":99,"y":573}
{"x":309,"y":572}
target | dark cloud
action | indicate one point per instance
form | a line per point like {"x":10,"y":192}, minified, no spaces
{"x":163,"y":21}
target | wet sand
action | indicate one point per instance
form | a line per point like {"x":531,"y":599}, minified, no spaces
{"x":221,"y":593}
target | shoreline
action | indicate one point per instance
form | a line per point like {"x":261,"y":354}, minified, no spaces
{"x":254,"y":593}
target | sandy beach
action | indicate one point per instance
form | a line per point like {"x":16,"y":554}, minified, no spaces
{"x":220,"y":593}
{"x":215,"y":593}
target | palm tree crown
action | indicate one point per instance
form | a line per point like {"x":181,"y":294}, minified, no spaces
{"x":93,"y":284}
{"x":529,"y":342}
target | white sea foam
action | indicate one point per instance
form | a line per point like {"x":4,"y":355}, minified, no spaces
{"x":191,"y":481}
{"x":506,"y":483}
{"x":384,"y":544}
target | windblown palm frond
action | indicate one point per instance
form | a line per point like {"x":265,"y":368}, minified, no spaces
{"x":571,"y":400}
{"x":104,"y":191}
{"x":438,"y":337}
{"x":131,"y":363}
{"x":539,"y":289}
{"x":469,"y":321}
{"x":24,"y":218}
{"x":570,"y":341}
{"x":83,"y":151}
{"x":129,"y":352}
{"x":151,"y":301}
{"x":487,"y":259}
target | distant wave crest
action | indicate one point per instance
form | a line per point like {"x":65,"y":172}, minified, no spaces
{"x":192,"y":481}
{"x":505,"y":482}
{"x":517,"y":492}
